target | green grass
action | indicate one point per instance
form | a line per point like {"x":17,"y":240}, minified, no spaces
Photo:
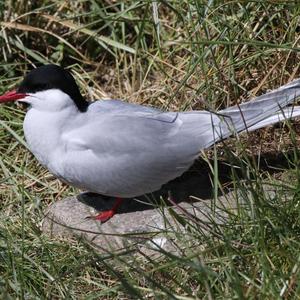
{"x":176,"y":55}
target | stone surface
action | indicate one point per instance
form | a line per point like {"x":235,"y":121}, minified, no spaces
{"x":136,"y":225}
{"x":141,"y":223}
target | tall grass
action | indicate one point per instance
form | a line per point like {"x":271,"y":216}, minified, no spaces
{"x":175,"y":55}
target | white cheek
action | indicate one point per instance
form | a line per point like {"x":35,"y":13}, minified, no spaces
{"x":49,"y":100}
{"x":27,"y":99}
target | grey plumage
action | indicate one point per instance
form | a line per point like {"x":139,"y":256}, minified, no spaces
{"x":125,"y":150}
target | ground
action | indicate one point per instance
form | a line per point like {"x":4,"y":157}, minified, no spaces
{"x":175,"y":55}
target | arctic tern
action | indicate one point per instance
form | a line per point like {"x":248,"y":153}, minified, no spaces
{"x":123,"y":150}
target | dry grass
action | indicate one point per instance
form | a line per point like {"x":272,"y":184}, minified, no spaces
{"x":175,"y":55}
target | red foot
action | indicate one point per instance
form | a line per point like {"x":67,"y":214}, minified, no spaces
{"x":107,"y":214}
{"x":104,"y":216}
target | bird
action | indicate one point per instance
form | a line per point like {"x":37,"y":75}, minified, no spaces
{"x":123,"y":150}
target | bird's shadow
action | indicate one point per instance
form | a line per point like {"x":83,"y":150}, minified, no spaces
{"x":196,"y":182}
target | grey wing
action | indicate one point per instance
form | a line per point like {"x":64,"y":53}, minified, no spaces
{"x":127,"y":155}
{"x":119,"y":106}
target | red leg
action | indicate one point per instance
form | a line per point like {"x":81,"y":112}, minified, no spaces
{"x":105,"y":215}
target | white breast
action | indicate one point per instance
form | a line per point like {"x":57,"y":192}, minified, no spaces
{"x":45,"y":124}
{"x":41,"y":137}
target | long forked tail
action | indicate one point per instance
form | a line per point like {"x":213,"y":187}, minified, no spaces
{"x":285,"y":114}
{"x":259,"y":112}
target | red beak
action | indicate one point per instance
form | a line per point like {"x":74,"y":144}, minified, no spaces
{"x":12,"y":96}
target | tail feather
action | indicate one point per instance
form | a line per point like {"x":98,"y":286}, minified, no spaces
{"x":257,"y":111}
{"x":285,"y":114}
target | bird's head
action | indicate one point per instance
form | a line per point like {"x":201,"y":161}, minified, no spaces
{"x":49,"y":87}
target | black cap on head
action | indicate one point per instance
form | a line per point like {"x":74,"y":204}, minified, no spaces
{"x":53,"y":77}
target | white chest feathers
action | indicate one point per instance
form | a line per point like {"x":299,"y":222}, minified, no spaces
{"x":50,"y":114}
